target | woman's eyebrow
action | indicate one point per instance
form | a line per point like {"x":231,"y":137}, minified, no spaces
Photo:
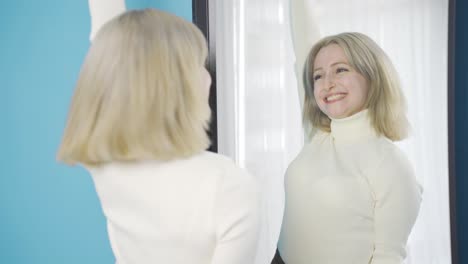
{"x":333,"y":64}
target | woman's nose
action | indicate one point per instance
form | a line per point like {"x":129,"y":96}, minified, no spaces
{"x":329,"y":82}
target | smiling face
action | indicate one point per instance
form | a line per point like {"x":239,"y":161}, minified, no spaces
{"x":339,"y":90}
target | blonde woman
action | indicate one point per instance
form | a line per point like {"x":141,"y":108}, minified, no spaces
{"x":351,"y":194}
{"x":137,"y":123}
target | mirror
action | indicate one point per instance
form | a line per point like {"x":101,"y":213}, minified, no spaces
{"x":260,"y":47}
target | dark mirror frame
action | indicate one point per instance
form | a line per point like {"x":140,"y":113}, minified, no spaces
{"x":451,"y":130}
{"x":458,"y":128}
{"x":457,"y":112}
{"x":201,"y":17}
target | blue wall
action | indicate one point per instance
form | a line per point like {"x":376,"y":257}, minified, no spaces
{"x":181,"y":8}
{"x":49,"y":212}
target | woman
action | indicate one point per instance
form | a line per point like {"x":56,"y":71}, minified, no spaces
{"x":137,"y":123}
{"x":351,"y":194}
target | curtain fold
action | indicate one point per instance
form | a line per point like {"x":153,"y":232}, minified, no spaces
{"x":259,"y":114}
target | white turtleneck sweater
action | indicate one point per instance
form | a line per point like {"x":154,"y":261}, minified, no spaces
{"x":199,"y":210}
{"x":351,"y":198}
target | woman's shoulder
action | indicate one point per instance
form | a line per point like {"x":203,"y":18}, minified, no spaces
{"x":217,"y":161}
{"x":214,"y":158}
{"x":388,"y":158}
{"x":386,"y":150}
{"x":392,"y":173}
{"x":211,"y":170}
{"x":374,"y":149}
{"x":204,"y":163}
{"x":232,"y":180}
{"x":224,"y":167}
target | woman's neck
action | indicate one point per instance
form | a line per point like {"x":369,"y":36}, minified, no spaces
{"x":352,"y":128}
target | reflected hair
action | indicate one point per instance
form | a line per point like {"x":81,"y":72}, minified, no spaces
{"x":385,"y":102}
{"x":138,"y":95}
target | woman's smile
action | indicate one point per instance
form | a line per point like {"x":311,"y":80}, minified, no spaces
{"x":335,"y":97}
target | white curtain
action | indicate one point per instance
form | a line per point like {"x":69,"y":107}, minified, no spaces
{"x":259,"y":98}
{"x":259,"y":115}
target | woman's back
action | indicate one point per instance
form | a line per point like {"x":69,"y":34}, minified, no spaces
{"x":202,"y":209}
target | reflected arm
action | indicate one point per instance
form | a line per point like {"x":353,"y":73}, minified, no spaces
{"x":397,"y":197}
{"x":305,"y":32}
{"x":101,"y":11}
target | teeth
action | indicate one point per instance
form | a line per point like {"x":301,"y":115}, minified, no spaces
{"x":335,"y":97}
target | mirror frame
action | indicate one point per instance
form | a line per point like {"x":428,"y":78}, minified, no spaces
{"x":202,"y":17}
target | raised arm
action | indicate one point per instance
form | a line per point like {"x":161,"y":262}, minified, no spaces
{"x":398,"y":198}
{"x":102,"y":11}
{"x":305,"y":32}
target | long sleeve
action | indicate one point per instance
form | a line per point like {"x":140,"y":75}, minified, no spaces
{"x":237,"y":216}
{"x":102,"y":11}
{"x":397,"y":197}
{"x":304,"y":33}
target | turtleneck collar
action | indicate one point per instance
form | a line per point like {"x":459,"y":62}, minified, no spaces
{"x":352,"y":128}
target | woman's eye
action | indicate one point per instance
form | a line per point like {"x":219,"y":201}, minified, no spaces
{"x":317,"y":76}
{"x":341,"y":70}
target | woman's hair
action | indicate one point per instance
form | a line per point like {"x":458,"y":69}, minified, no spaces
{"x":385,"y":99}
{"x":139,"y":94}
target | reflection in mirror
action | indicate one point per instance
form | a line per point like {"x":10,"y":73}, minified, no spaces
{"x":259,"y":60}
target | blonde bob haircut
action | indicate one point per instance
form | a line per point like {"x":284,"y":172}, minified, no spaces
{"x":385,"y":100}
{"x":139,"y":94}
